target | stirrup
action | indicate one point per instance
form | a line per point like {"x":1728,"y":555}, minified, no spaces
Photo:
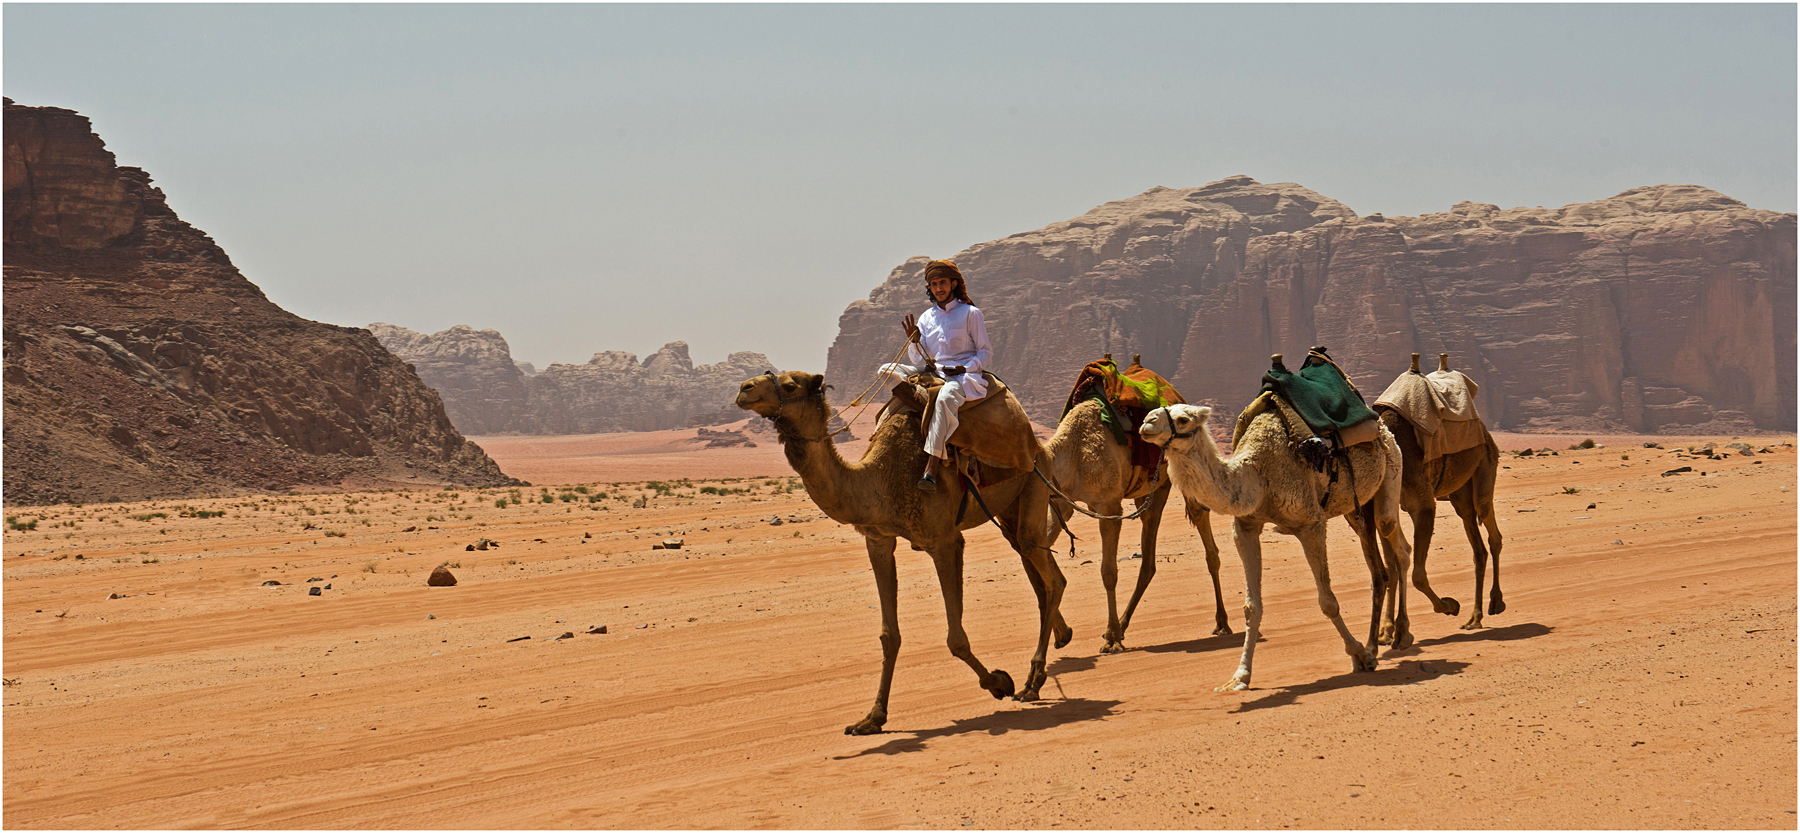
{"x":927,"y":483}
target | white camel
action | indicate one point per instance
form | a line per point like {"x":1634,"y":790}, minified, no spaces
{"x":1264,"y":482}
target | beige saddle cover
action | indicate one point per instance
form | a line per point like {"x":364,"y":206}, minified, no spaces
{"x":1441,"y":409}
{"x":994,"y":427}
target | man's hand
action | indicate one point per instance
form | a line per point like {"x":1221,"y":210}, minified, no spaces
{"x":955,"y":371}
{"x":911,"y":326}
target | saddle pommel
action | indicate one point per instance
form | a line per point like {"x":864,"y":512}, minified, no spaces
{"x":1275,"y":363}
{"x":1415,"y":363}
{"x":1443,"y":361}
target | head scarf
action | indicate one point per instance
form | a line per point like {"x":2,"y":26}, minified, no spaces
{"x":946,"y":268}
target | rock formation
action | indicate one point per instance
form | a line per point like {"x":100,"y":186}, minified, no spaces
{"x":1663,"y":309}
{"x":486,"y":393}
{"x":471,"y":369}
{"x":140,"y":363}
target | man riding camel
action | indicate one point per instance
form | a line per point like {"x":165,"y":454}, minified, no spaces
{"x":952,"y":334}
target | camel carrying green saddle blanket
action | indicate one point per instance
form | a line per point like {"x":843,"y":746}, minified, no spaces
{"x":1323,"y":397}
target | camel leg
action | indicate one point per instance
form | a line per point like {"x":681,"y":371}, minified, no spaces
{"x":1312,"y":542}
{"x":948,"y":559}
{"x":1424,"y":519}
{"x":1109,"y":572}
{"x":1048,"y":583}
{"x":1201,"y":518}
{"x":1467,"y":508}
{"x":881,"y":563}
{"x":1395,"y":550}
{"x":1484,"y":505}
{"x":1362,"y":522}
{"x":1247,"y":534}
{"x":1151,"y":521}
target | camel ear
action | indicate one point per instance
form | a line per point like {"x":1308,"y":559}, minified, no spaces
{"x":818,"y":384}
{"x":1203,"y":411}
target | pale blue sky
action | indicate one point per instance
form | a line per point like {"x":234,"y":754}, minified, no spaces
{"x":613,"y":177}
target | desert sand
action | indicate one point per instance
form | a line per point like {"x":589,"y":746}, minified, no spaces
{"x":1642,"y":675}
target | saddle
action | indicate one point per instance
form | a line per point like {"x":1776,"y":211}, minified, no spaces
{"x":1321,"y":408}
{"x":993,"y":428}
{"x":1441,"y":409}
{"x":1126,"y":397}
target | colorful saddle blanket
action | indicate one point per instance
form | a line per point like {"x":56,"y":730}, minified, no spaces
{"x":1129,"y":395}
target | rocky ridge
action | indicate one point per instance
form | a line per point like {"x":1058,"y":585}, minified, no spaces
{"x":487,"y":393}
{"x":141,"y":364}
{"x":1666,"y":309}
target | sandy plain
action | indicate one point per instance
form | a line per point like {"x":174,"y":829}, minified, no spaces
{"x":1642,"y":676}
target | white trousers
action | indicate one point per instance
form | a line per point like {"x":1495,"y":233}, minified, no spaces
{"x":944,"y":414}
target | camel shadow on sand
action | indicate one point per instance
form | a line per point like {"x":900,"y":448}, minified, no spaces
{"x":1044,"y":714}
{"x":1077,"y":664}
{"x":1404,"y":671}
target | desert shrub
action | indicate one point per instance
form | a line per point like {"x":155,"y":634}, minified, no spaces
{"x":13,"y":522}
{"x":332,"y":533}
{"x":149,"y":516}
{"x":1587,"y":443}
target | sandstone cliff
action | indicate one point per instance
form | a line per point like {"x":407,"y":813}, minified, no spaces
{"x":1668,"y":308}
{"x":471,"y":369}
{"x":487,"y":393}
{"x":140,"y":363}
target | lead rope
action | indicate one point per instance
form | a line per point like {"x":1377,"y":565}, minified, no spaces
{"x":857,"y":401}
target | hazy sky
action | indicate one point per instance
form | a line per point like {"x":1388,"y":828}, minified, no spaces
{"x":614,"y":177}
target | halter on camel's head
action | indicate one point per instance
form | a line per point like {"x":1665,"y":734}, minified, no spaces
{"x":813,"y":390}
{"x":1168,"y":416}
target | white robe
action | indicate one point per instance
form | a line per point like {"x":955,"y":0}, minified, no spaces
{"x":955,"y":334}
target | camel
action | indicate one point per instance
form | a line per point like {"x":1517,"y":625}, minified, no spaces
{"x":1466,"y":479}
{"x":1091,"y":467}
{"x":877,"y":497}
{"x":1263,"y":482}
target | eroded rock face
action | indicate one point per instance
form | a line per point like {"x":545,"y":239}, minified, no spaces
{"x":614,"y":392}
{"x":471,"y":369}
{"x":140,"y":363}
{"x":486,"y":393}
{"x":1668,"y":308}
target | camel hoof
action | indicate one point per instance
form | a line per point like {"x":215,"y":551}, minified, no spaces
{"x":1234,"y":685}
{"x":1447,"y":606}
{"x":1063,"y":638}
{"x":1403,"y":640}
{"x":1386,"y":636}
{"x":1003,"y":685}
{"x":866,"y":726}
{"x":1363,"y":662}
{"x":1473,"y":624}
{"x":1496,"y":606}
{"x":1027,"y":696}
{"x":1113,"y":646}
{"x":1222,"y":630}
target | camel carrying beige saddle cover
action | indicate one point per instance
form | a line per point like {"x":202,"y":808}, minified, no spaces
{"x":1440,"y":407}
{"x":994,"y":427}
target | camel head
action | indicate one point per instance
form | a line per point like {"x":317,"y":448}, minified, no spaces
{"x":1175,"y":422}
{"x":767,"y":395}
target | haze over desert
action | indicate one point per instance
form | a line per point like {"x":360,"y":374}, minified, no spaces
{"x":1642,"y":675}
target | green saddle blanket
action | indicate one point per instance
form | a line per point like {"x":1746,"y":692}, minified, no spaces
{"x":1321,"y":393}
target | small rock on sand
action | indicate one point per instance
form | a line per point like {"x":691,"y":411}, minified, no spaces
{"x":271,"y":583}
{"x":597,"y":629}
{"x":315,"y":592}
{"x":441,"y":577}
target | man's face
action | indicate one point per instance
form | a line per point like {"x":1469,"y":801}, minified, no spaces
{"x":942,"y":288}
